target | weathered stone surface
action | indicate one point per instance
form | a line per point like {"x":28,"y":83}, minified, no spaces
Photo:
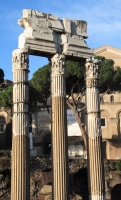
{"x":47,"y":34}
{"x":59,"y":129}
{"x":94,"y":135}
{"x":42,"y":21}
{"x":20,"y":181}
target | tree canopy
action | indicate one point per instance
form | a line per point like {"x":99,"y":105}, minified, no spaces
{"x":109,"y":77}
{"x":41,"y":78}
{"x":41,"y":81}
{"x":40,"y":87}
{"x":1,"y":76}
{"x":6,"y":97}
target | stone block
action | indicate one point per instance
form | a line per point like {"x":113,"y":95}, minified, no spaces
{"x":73,"y":27}
{"x":77,"y":51}
{"x":67,"y":25}
{"x":64,"y":39}
{"x":47,"y":34}
{"x":77,"y":42}
{"x":53,"y":17}
{"x":56,"y":25}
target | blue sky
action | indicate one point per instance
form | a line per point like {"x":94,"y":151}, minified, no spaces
{"x":103,"y":18}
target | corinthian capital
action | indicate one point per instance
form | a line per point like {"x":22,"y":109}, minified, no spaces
{"x":92,"y":68}
{"x":58,"y":64}
{"x":20,"y":59}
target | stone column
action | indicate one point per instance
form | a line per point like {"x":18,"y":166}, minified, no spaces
{"x":59,"y":129}
{"x":94,"y":135}
{"x":20,"y":181}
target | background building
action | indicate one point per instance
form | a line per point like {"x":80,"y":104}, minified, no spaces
{"x":41,"y":130}
{"x":110,"y":106}
{"x":109,"y":52}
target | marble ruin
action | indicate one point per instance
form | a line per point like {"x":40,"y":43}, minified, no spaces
{"x":20,"y":140}
{"x":94,"y":135}
{"x":47,"y":35}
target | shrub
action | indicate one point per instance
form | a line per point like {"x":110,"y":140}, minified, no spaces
{"x":6,"y":152}
{"x":118,"y":165}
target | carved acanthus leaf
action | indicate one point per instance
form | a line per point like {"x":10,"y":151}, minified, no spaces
{"x":58,"y":64}
{"x":20,"y":59}
{"x":92,"y":68}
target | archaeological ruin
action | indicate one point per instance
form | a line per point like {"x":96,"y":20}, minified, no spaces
{"x":58,"y":40}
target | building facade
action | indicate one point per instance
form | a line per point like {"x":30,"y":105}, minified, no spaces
{"x":109,"y":52}
{"x":110,"y":106}
{"x":41,"y":131}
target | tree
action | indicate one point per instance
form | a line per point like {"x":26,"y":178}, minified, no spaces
{"x":41,"y":81}
{"x":1,"y":76}
{"x":109,"y":79}
{"x":118,"y":165}
{"x":117,"y":79}
{"x":39,"y":86}
{"x":6,"y":98}
{"x":75,"y":91}
{"x":74,"y":84}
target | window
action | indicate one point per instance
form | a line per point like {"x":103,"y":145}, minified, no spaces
{"x":47,"y":144}
{"x":119,"y":116}
{"x":71,"y":151}
{"x":111,"y":98}
{"x":79,"y":150}
{"x":1,"y":128}
{"x":101,"y":99}
{"x":103,"y":122}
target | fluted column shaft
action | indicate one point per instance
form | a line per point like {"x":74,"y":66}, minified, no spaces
{"x":59,"y":129}
{"x":20,"y":184}
{"x":94,"y":135}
